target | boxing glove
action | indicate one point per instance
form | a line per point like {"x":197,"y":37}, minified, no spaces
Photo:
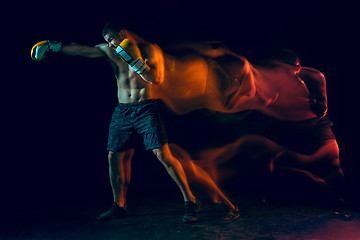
{"x":130,"y":53}
{"x":39,"y":50}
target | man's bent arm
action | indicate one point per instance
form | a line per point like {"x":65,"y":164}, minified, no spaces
{"x":75,"y":49}
{"x":155,"y":60}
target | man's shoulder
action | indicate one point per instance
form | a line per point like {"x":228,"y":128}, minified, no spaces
{"x":148,"y":49}
{"x":111,"y":55}
{"x":147,"y":46}
{"x":311,"y":73}
{"x":310,"y":70}
{"x":103,"y":47}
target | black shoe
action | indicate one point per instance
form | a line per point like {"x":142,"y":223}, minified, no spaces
{"x":232,"y":214}
{"x":114,"y":213}
{"x":191,"y":212}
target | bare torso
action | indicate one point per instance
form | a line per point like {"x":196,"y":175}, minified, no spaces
{"x":131,"y":87}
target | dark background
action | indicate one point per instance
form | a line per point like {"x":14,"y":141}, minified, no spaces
{"x":56,"y":112}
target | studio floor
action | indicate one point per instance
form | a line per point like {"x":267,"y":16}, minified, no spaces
{"x":160,"y":218}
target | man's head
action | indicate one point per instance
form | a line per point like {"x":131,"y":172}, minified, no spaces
{"x":114,"y":34}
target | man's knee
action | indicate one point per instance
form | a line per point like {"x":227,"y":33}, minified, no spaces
{"x":113,"y":158}
{"x":112,"y":155}
{"x":159,"y":153}
{"x":163,"y":156}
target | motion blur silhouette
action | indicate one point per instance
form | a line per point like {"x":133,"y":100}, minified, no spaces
{"x":229,"y":111}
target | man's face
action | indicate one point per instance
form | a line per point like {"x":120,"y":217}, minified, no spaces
{"x":114,"y":39}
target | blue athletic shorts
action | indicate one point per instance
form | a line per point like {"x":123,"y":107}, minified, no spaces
{"x":132,"y":119}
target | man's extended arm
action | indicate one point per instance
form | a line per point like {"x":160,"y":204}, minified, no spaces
{"x":75,"y":49}
{"x":39,"y":50}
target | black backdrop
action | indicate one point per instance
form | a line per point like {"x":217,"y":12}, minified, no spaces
{"x":56,"y":112}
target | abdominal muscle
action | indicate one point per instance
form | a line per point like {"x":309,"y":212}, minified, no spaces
{"x":132,"y":88}
{"x":132,"y":95}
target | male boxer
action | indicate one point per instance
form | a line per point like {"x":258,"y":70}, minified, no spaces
{"x":137,"y":66}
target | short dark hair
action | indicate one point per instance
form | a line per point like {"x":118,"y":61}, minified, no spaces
{"x":112,"y":27}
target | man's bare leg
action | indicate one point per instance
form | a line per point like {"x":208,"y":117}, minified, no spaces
{"x":176,"y":171}
{"x":127,"y":167}
{"x":199,"y":175}
{"x":119,"y":174}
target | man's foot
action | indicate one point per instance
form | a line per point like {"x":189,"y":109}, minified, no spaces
{"x":114,"y":213}
{"x":191,"y":212}
{"x":232,"y":213}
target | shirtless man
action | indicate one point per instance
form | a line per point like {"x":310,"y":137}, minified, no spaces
{"x":136,"y":112}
